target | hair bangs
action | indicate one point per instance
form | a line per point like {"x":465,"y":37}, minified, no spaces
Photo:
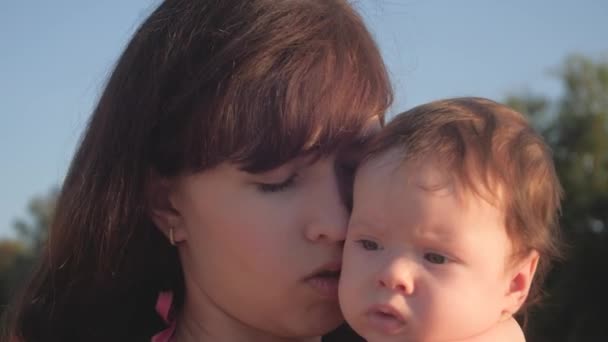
{"x":299,"y":98}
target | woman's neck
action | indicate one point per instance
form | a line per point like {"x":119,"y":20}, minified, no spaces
{"x":196,"y":333}
{"x":202,"y":320}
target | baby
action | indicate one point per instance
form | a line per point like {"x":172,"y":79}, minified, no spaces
{"x":454,"y":225}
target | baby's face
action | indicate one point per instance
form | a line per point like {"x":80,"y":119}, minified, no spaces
{"x":421,"y":264}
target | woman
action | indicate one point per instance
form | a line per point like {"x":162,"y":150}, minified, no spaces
{"x":213,"y":172}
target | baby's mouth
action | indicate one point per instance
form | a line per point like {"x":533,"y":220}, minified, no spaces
{"x":386,"y":320}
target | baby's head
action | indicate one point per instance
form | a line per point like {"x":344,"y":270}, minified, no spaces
{"x":454,"y":223}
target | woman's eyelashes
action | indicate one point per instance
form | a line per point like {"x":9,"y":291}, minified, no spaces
{"x":279,"y":186}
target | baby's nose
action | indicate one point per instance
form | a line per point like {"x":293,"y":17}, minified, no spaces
{"x":397,"y":277}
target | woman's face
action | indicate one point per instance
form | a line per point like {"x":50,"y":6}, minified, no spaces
{"x":261,"y":252}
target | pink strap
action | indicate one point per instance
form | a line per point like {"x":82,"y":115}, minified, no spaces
{"x":163,"y":307}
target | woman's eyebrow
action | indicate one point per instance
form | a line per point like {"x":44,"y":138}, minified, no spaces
{"x":309,"y":157}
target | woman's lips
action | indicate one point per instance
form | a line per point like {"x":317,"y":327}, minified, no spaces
{"x":386,"y":320}
{"x":325,"y":280}
{"x":326,"y":286}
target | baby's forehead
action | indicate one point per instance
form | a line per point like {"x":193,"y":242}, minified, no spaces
{"x":404,"y":183}
{"x":388,"y":161}
{"x":434,"y":175}
{"x":425,"y":173}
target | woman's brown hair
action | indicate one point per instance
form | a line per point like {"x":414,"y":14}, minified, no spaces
{"x":255,"y":82}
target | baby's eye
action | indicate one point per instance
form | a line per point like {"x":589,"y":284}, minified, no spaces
{"x":435,"y":258}
{"x":369,"y":245}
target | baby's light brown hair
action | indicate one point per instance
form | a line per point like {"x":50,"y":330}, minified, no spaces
{"x":491,"y":150}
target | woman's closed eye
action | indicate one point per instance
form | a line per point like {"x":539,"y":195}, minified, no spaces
{"x":278,"y":186}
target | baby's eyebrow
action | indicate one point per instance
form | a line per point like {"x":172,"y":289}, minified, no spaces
{"x":370,"y":225}
{"x":436,"y":233}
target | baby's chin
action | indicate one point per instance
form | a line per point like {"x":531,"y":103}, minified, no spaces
{"x":505,"y":331}
{"x":492,"y":335}
{"x":373,"y":335}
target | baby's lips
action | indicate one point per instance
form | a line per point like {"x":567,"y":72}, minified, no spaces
{"x":386,"y":319}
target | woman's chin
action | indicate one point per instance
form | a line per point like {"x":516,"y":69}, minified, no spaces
{"x":324,"y":322}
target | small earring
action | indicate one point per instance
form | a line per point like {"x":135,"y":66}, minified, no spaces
{"x":171,"y":238}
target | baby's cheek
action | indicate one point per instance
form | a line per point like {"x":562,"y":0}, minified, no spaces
{"x":351,"y":277}
{"x":458,"y":308}
{"x":348,"y":270}
{"x":352,"y":291}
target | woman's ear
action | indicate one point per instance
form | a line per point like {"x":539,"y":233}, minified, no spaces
{"x":520,"y":280}
{"x":160,"y":193}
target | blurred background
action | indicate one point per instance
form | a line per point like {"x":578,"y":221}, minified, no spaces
{"x":547,"y":58}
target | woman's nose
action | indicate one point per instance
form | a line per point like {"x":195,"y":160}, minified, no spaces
{"x":329,"y":216}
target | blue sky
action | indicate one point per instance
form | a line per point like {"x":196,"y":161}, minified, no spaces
{"x":56,"y":55}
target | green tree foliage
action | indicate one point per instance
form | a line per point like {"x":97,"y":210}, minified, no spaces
{"x":18,"y":256}
{"x":11,"y":254}
{"x":576,"y":127}
{"x":33,"y":231}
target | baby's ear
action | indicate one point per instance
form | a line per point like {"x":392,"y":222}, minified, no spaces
{"x":520,"y":280}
